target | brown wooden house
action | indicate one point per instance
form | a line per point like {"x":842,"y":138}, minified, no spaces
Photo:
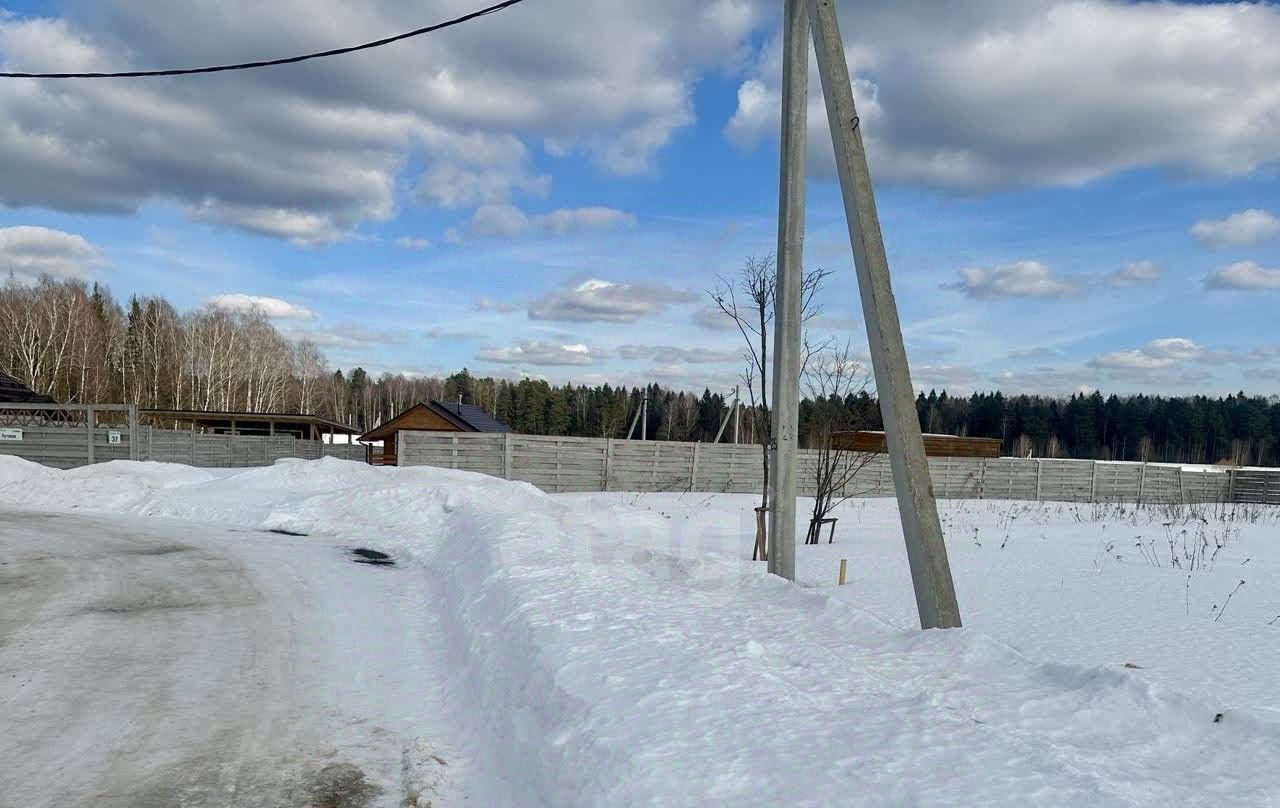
{"x":430,"y":416}
{"x":934,"y":445}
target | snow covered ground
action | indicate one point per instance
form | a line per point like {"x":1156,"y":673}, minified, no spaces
{"x":620,"y":649}
{"x":153,"y":662}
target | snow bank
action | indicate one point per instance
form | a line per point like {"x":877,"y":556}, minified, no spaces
{"x":623,"y":655}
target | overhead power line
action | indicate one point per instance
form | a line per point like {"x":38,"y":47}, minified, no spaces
{"x":288,"y":60}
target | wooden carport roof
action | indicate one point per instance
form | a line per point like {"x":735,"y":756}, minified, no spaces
{"x":217,"y":419}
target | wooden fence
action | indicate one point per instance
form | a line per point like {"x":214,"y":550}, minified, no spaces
{"x":66,"y":436}
{"x":607,"y":464}
{"x":235,"y":451}
{"x":68,"y":446}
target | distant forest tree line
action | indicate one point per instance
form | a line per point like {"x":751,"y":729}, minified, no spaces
{"x":76,"y":343}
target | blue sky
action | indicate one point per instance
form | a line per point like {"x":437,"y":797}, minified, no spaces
{"x":1074,"y":195}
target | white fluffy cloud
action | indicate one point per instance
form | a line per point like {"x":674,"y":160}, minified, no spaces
{"x":1243,"y":229}
{"x":412,"y":243}
{"x":954,"y":95}
{"x":296,"y":226}
{"x":1243,"y":275}
{"x":270,"y":306}
{"x":948,"y":376}
{"x":713,"y":319}
{"x":503,"y":220}
{"x":348,"y":336}
{"x":596,"y":300}
{"x":1135,"y":273}
{"x":454,"y":186}
{"x":308,"y":152}
{"x":1155,"y":355}
{"x":486,"y":303}
{"x":1019,"y":279}
{"x":1036,"y":352}
{"x":670,"y":355}
{"x":29,"y":252}
{"x":498,"y":220}
{"x":565,"y":220}
{"x":539,"y":353}
{"x":1045,"y":380}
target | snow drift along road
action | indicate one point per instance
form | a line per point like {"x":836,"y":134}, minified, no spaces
{"x":616,"y":658}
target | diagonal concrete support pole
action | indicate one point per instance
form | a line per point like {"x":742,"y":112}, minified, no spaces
{"x":926,"y":550}
{"x":787,"y":302}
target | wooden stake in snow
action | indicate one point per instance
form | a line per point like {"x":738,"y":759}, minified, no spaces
{"x":761,"y":551}
{"x":843,"y":565}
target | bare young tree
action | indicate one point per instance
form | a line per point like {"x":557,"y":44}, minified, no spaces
{"x":836,"y":384}
{"x":748,"y":300}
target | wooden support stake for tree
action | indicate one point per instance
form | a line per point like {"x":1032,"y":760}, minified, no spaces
{"x":761,"y":551}
{"x":844,"y":562}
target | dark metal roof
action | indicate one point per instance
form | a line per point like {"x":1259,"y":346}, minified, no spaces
{"x":14,"y":392}
{"x":474,"y":418}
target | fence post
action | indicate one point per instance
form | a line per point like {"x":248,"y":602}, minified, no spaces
{"x":982,"y":478}
{"x":91,"y":426}
{"x":1231,"y":485}
{"x":1182,"y":491}
{"x":133,"y":431}
{"x":1093,"y":483}
{"x":608,"y":463}
{"x":507,"y":455}
{"x":693,"y":468}
{"x":453,"y":454}
{"x":1142,"y":480}
{"x":559,"y":487}
{"x":1039,"y":463}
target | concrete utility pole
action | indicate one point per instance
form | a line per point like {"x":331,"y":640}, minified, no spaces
{"x":644,"y":417}
{"x":635,"y":419}
{"x":926,"y":551}
{"x":737,"y":413}
{"x":725,"y":421}
{"x":787,"y":303}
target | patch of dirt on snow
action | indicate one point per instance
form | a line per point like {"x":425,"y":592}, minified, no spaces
{"x":209,"y":782}
{"x":141,"y":603}
{"x":159,"y":549}
{"x":338,"y":785}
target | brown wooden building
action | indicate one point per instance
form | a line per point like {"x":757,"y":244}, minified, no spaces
{"x":430,"y":416}
{"x":934,"y":445}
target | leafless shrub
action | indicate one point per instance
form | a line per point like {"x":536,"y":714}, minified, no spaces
{"x":833,"y":380}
